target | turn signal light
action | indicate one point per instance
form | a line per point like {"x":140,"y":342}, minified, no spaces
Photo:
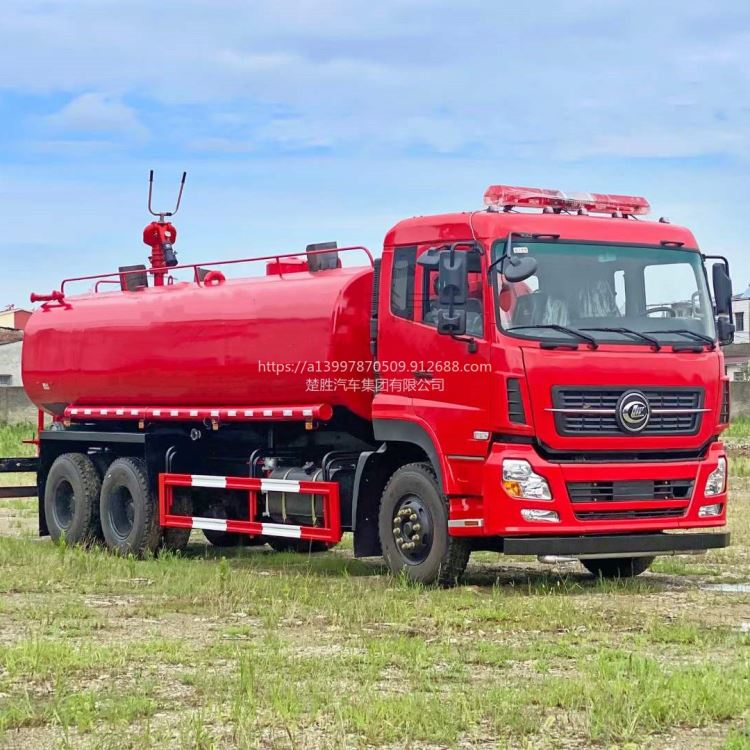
{"x":521,"y":481}
{"x":506,"y":196}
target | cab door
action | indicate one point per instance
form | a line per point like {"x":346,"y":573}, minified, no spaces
{"x":452,"y":374}
{"x":437,"y":381}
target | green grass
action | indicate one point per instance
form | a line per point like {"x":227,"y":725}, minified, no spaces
{"x":12,"y":437}
{"x":739,"y":428}
{"x":252,"y":649}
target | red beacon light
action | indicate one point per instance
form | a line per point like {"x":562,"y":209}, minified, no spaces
{"x":504,"y":197}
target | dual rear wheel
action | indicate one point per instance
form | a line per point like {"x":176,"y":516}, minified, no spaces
{"x":119,"y":508}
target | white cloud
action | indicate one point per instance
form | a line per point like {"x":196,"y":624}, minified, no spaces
{"x":98,"y":113}
{"x":575,"y":77}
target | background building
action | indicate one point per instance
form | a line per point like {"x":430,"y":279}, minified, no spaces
{"x":741,"y":311}
{"x":13,"y":317}
{"x":10,"y":357}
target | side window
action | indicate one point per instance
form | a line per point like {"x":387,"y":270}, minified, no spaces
{"x":671,"y":291}
{"x":402,"y":282}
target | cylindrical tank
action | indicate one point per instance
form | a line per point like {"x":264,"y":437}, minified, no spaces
{"x":253,"y":341}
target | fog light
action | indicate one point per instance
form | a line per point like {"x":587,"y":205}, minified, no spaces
{"x":520,"y":480}
{"x":717,"y":479}
{"x":710,"y":510}
{"x":537,"y":514}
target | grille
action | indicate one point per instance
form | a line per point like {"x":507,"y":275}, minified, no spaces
{"x":630,"y":491}
{"x":616,"y":515}
{"x":646,"y":490}
{"x":603,"y":403}
{"x":516,"y":411}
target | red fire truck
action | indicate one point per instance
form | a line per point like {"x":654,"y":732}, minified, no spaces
{"x":541,"y":377}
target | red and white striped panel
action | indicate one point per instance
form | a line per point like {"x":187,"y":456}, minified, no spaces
{"x":329,"y":532}
{"x":318,"y":412}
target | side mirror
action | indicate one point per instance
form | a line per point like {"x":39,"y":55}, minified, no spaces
{"x":724,"y":331}
{"x":453,"y":292}
{"x":519,"y":267}
{"x":722,"y":289}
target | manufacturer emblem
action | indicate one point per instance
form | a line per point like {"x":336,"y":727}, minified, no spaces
{"x":633,"y":412}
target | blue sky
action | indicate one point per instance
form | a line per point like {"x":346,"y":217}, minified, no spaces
{"x":329,"y":119}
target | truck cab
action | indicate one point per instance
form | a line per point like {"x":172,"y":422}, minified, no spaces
{"x":561,"y":368}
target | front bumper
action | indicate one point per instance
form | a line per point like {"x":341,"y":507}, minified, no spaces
{"x":496,"y":514}
{"x":619,"y":545}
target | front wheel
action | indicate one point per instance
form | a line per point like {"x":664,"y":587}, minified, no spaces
{"x":413,"y":526}
{"x":617,"y":567}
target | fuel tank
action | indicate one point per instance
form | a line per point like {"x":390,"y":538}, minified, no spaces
{"x":270,"y":340}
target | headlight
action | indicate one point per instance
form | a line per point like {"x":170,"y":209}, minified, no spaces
{"x":520,"y":480}
{"x":717,"y":479}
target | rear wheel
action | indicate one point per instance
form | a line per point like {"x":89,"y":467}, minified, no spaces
{"x":617,"y":567}
{"x":129,"y":515}
{"x":413,"y":526}
{"x":71,"y":499}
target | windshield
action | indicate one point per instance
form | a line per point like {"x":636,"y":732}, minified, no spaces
{"x":587,"y":287}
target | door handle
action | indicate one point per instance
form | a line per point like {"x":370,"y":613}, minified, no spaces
{"x":423,"y":375}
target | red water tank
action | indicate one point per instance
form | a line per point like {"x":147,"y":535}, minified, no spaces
{"x":242,"y":342}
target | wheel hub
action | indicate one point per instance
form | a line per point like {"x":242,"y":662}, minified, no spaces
{"x":122,"y":512}
{"x":412,"y":529}
{"x":64,"y":505}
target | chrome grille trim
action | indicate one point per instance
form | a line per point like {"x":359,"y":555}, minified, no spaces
{"x":592,"y":410}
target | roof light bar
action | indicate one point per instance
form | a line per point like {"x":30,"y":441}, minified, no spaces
{"x":505,"y":196}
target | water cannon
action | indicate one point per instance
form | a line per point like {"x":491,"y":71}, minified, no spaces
{"x":160,"y":235}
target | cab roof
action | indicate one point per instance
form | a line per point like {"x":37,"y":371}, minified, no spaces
{"x":490,"y":225}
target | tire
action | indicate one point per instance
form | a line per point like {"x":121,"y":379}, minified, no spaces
{"x":129,"y":514}
{"x":617,"y":567}
{"x":174,"y":539}
{"x":301,"y":546}
{"x":71,"y":499}
{"x":438,"y":557}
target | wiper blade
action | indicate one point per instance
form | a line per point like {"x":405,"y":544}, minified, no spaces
{"x":689,"y":334}
{"x":590,"y":340}
{"x":629,"y":331}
